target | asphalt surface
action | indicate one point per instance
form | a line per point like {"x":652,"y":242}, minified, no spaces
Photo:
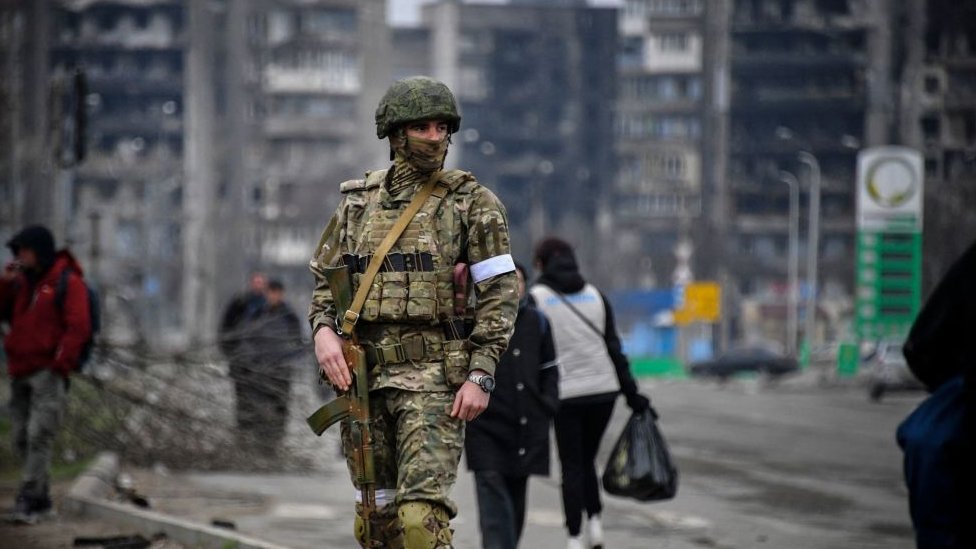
{"x":794,"y":465}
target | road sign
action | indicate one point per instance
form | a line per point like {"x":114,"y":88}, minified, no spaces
{"x":702,"y":303}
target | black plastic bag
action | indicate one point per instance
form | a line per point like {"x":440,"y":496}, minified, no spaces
{"x":640,"y":465}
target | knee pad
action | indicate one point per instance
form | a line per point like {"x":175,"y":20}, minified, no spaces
{"x":384,"y":528}
{"x":425,"y":525}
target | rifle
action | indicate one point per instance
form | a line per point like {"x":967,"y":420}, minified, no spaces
{"x":353,"y":403}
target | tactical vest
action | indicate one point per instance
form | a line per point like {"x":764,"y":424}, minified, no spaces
{"x":416,"y":282}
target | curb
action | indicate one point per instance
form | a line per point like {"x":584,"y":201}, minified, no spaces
{"x":89,"y":497}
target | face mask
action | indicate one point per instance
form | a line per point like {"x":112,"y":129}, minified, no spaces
{"x":425,"y":155}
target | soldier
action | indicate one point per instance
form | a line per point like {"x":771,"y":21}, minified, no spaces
{"x":431,"y":353}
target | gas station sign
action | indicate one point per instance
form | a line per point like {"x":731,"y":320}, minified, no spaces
{"x":890,"y":187}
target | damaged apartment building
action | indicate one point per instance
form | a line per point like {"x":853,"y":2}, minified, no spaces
{"x":826,"y":77}
{"x":216,"y":135}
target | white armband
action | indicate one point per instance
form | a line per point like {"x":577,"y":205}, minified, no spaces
{"x":500,"y":264}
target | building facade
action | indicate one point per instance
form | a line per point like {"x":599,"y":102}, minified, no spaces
{"x":791,"y":77}
{"x":216,"y":134}
{"x":828,"y":79}
{"x":937,"y":113}
{"x":120,"y":207}
{"x":536,"y":85}
{"x":657,"y":193}
{"x":302,"y":83}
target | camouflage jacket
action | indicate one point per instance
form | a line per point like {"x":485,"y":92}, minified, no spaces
{"x":468,"y":226}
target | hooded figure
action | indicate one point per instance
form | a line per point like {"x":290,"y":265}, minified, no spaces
{"x":593,"y":371}
{"x":44,"y":334}
{"x":939,"y":345}
{"x":44,"y":301}
{"x":939,"y":437}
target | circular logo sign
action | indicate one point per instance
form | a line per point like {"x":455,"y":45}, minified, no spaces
{"x":891,"y":182}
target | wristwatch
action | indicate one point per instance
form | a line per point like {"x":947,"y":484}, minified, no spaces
{"x":485,"y":381}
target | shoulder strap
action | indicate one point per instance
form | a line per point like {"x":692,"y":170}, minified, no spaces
{"x":62,"y":289}
{"x":431,"y":187}
{"x":577,"y":311}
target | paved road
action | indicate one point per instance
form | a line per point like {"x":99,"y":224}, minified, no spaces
{"x":794,"y":466}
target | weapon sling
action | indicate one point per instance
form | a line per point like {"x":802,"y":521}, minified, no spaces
{"x":345,"y":406}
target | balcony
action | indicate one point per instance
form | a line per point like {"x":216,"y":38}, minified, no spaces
{"x":138,"y":124}
{"x":156,"y":163}
{"x":279,"y":79}
{"x":283,"y":126}
{"x":135,"y":84}
{"x":761,"y":62}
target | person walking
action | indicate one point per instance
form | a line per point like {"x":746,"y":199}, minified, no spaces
{"x":277,"y":343}
{"x":431,"y":354}
{"x":510,"y":440}
{"x":44,"y":301}
{"x":593,"y":371}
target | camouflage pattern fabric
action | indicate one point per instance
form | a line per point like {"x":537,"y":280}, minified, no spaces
{"x":386,"y":531}
{"x":416,"y":98}
{"x":420,"y":459}
{"x":469,"y":226}
{"x":425,"y":526}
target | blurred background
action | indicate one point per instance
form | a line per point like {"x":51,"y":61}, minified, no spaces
{"x":703,"y":156}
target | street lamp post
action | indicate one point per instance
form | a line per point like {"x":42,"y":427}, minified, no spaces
{"x":794,"y":261}
{"x":813,"y":243}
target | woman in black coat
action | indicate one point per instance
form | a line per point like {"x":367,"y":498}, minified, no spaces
{"x":510,"y":440}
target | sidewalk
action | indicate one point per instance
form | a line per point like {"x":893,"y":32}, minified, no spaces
{"x":273,"y":511}
{"x":722,"y":501}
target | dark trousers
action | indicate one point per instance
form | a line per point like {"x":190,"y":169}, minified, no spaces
{"x":37,"y":407}
{"x":262,"y":413}
{"x":501,"y":508}
{"x":579,"y":428}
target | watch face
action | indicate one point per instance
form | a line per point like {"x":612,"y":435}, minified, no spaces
{"x":488,"y":383}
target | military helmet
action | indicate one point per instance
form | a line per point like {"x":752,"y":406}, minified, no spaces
{"x":416,"y":98}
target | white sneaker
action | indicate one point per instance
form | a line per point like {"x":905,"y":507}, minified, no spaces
{"x":574,"y":543}
{"x":595,"y":530}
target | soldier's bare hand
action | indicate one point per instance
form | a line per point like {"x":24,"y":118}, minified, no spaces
{"x":469,"y":401}
{"x":328,"y":353}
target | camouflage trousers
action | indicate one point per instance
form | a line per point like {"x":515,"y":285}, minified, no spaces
{"x":417,"y":449}
{"x":37,"y":405}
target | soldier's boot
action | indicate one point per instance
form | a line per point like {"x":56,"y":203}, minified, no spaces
{"x":425,"y":526}
{"x":384,"y":528}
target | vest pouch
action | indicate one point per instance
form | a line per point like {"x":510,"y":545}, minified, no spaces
{"x":371,"y":307}
{"x":393,"y":296}
{"x":422,"y":296}
{"x":457,"y":358}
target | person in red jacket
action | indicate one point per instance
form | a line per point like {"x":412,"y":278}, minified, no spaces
{"x":45,"y":338}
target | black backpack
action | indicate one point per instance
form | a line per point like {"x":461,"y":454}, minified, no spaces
{"x":94,"y":314}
